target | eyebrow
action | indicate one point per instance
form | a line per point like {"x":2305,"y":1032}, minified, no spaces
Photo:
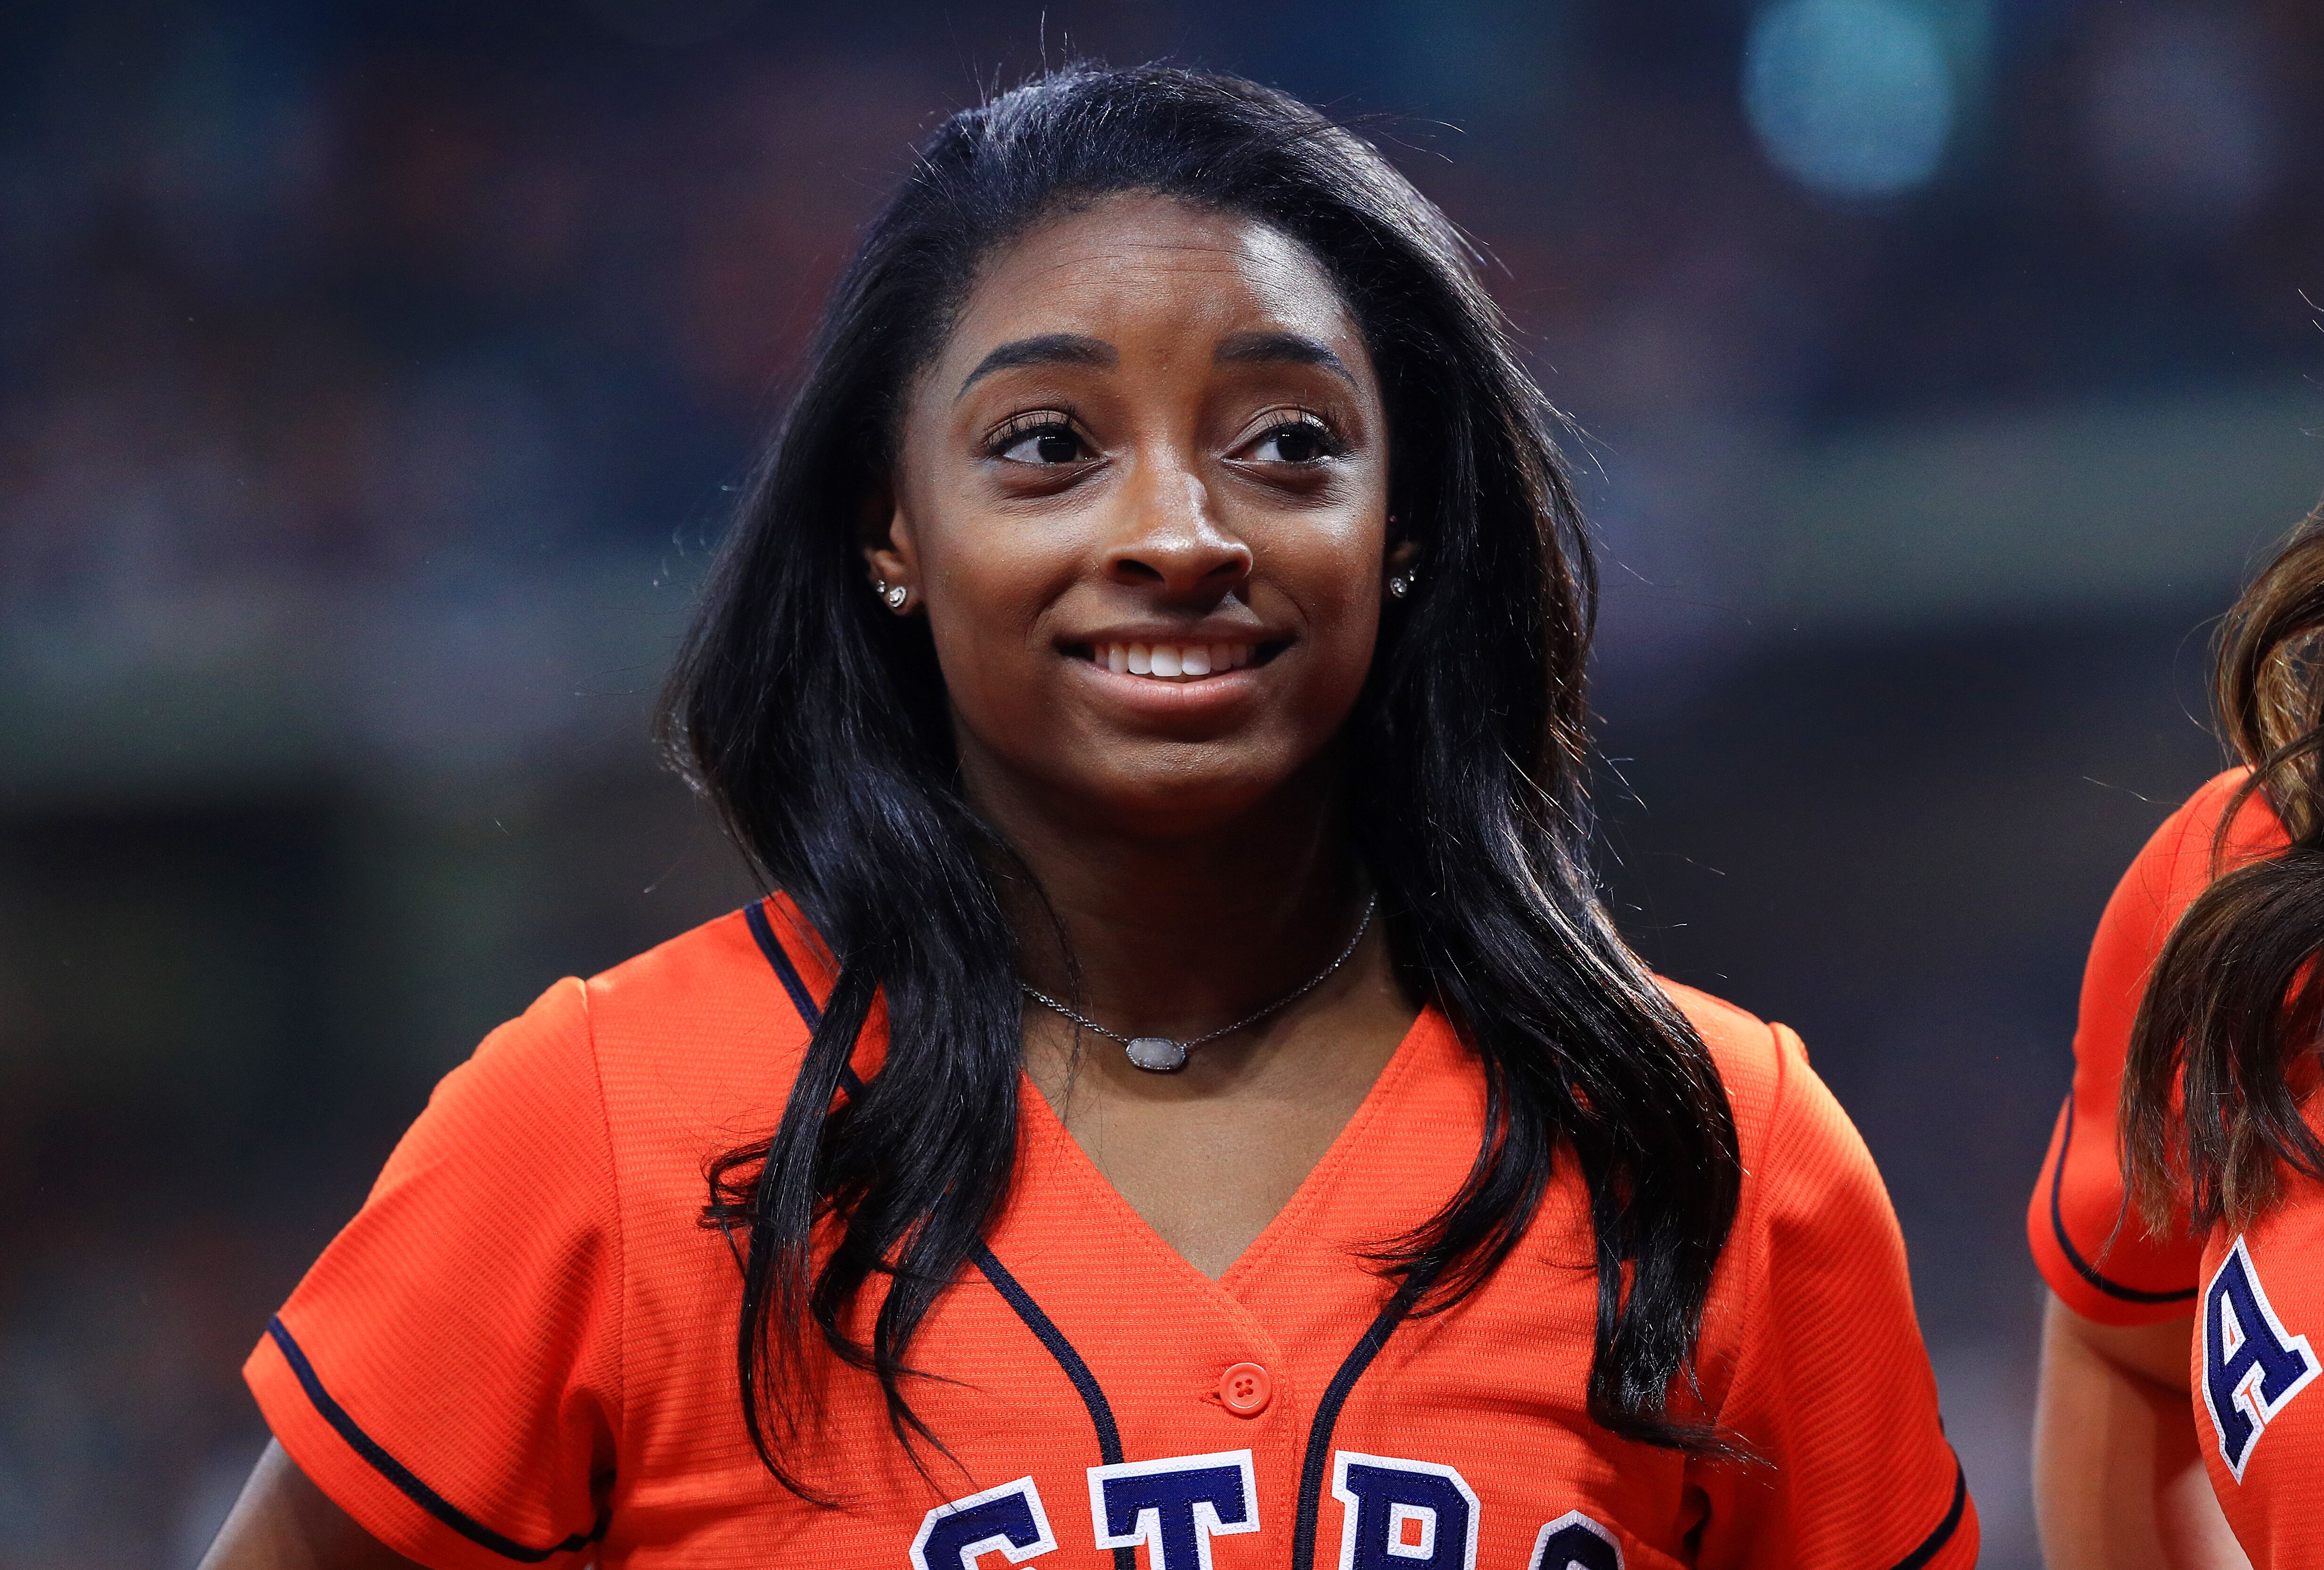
{"x":1049,"y":349}
{"x":1282,"y":348}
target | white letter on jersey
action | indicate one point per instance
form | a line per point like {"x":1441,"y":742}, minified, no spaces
{"x":1576,"y":1542}
{"x":1403,"y":1515}
{"x":2250,"y":1365}
{"x":1173,"y":1506}
{"x":1008,"y":1518}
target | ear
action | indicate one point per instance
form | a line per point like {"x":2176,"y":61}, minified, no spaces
{"x":1401,"y":554}
{"x":884,"y":534}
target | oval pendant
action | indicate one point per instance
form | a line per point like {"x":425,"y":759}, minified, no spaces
{"x":1157,"y":1054}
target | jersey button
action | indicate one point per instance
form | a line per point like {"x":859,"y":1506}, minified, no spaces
{"x":1245,"y":1389}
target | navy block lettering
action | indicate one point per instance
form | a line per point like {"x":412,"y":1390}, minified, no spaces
{"x":1576,"y":1542}
{"x":1008,"y":1519}
{"x":1173,"y":1506}
{"x":2252,"y":1366}
{"x":1403,"y":1515}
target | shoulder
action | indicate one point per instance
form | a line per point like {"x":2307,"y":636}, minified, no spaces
{"x":1754,"y":1057}
{"x":708,"y":1004}
{"x":2258,"y":830}
{"x":696,"y":1041}
{"x":1805,"y":1167}
{"x":1815,"y":1260}
{"x":2175,"y":865}
{"x":741,"y":987}
{"x":741,"y":962}
{"x":2180,"y":858}
{"x":650,"y":1063}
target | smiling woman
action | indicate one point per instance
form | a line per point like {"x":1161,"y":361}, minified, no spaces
{"x":1186,"y":1066}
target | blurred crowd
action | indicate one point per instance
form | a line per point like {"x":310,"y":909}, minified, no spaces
{"x":375,"y":378}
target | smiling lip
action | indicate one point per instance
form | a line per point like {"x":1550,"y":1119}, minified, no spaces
{"x":1178,"y":660}
{"x":1164,"y":699}
{"x":1181,"y":676}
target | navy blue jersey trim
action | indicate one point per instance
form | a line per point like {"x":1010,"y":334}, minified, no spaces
{"x":396,"y":1473}
{"x":1945,"y":1529}
{"x":2082,"y":1267}
{"x":1012,"y":1291}
{"x":779,"y":960}
{"x":1108,"y":1437}
{"x":1045,"y":1330}
{"x":1327,"y":1417}
{"x":785,"y":971}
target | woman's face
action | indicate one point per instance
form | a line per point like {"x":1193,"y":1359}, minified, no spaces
{"x":1141,"y":499}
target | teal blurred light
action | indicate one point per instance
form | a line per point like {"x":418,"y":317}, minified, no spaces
{"x":1851,"y":98}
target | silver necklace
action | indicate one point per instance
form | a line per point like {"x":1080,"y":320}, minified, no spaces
{"x":1160,"y":1054}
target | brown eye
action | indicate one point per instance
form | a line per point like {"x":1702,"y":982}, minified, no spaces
{"x":1043,"y":444}
{"x":1294,"y":442}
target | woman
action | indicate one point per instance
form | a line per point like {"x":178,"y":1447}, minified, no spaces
{"x":2179,"y":1219}
{"x":1204,"y":1083}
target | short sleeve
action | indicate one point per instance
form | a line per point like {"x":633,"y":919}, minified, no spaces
{"x":2092,"y":1247}
{"x":1832,"y":1389}
{"x":448,"y":1372}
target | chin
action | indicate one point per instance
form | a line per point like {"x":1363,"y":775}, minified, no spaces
{"x":1172,"y":797}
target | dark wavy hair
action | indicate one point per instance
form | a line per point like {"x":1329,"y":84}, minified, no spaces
{"x":2211,"y":1107}
{"x":818,"y":727}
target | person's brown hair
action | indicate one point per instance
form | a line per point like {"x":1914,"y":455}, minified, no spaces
{"x":2211,"y":1105}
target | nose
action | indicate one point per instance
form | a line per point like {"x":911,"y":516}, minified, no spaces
{"x":1171,"y":541}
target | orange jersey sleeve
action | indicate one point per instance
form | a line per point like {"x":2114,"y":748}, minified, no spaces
{"x":450,"y":1371}
{"x":2092,"y":1249}
{"x":1830,"y":1387}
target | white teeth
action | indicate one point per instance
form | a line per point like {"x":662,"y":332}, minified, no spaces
{"x":1172,"y":662}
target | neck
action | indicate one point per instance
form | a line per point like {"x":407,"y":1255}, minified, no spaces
{"x":1177,"y":934}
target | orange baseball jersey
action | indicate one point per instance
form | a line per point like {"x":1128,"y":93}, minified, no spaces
{"x":2257,"y":1295}
{"x":523,"y":1347}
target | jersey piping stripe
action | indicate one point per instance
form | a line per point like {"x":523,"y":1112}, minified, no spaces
{"x":1945,"y":1529}
{"x":1012,"y":1291}
{"x":1101,"y":1411}
{"x":779,"y":960}
{"x":2082,"y":1267}
{"x":396,"y":1473}
{"x":785,"y":971}
{"x":1108,"y":1436}
{"x":1327,"y":1418}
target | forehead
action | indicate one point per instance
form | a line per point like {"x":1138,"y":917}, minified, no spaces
{"x":1138,"y":264}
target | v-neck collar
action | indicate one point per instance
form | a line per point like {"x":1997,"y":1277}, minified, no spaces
{"x":1044,"y":1132}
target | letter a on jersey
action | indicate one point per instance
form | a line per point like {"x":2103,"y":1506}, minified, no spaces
{"x":1008,"y":1518}
{"x":2252,"y":1366}
{"x":1403,"y":1515}
{"x":1576,"y":1542}
{"x":1173,"y":1506}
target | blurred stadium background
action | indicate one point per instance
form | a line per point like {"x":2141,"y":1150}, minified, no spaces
{"x":374,"y":379}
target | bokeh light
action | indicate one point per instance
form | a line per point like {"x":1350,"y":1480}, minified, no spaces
{"x":1851,"y":97}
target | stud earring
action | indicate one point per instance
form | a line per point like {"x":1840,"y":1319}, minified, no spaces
{"x":1399,"y":584}
{"x":895,"y":594}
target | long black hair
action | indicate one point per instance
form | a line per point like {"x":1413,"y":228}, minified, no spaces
{"x":817,"y":726}
{"x":2214,"y":1081}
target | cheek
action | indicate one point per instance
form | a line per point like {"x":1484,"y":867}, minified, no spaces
{"x":983,"y":602}
{"x":1340,"y":596}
